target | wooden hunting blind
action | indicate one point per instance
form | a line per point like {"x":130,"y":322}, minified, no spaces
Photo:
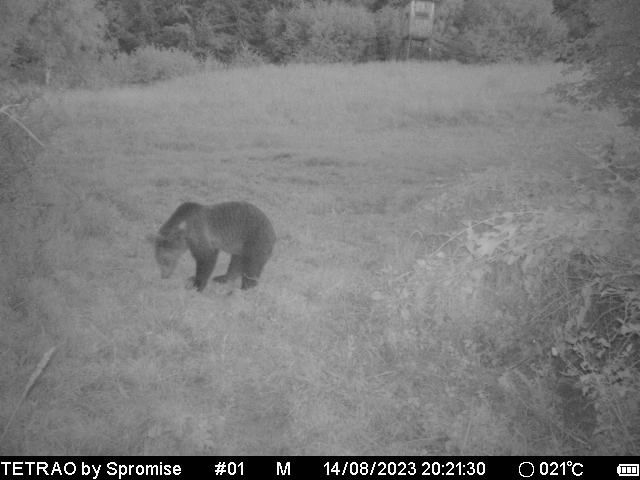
{"x":419,"y":19}
{"x":418,"y":23}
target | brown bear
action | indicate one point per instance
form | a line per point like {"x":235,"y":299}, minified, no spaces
{"x":238,"y":228}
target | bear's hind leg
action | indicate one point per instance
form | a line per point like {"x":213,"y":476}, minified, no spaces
{"x":233,"y":272}
{"x":251,"y":270}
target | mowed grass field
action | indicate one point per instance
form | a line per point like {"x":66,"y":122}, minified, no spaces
{"x":365,"y":171}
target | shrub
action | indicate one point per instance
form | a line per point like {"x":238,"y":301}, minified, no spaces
{"x":151,"y":64}
{"x":286,"y":31}
{"x":322,"y":33}
{"x":144,"y":65}
{"x":511,"y":30}
{"x":388,"y":22}
{"x":549,"y":293}
{"x":247,"y":56}
{"x":610,"y":53}
{"x":340,"y":33}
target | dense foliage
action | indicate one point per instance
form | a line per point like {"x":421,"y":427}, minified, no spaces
{"x":64,"y":41}
{"x":608,"y":44}
{"x":511,"y":29}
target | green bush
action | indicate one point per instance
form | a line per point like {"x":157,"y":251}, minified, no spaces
{"x":548,"y":295}
{"x":151,"y":64}
{"x":564,"y":278}
{"x":339,"y":33}
{"x":247,"y":56}
{"x":285,"y":31}
{"x":320,"y":33}
{"x":388,"y":22}
{"x":511,"y":30}
{"x":608,"y":51}
{"x":144,"y":65}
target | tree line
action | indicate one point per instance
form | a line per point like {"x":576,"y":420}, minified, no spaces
{"x":80,"y":42}
{"x":52,"y":32}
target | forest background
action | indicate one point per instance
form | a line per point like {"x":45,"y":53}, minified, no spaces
{"x":91,"y":42}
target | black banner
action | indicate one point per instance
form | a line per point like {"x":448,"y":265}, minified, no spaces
{"x":326,"y":468}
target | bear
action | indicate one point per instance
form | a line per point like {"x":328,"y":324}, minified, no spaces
{"x":238,"y":228}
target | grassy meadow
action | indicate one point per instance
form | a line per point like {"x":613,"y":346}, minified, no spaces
{"x":368,"y":333}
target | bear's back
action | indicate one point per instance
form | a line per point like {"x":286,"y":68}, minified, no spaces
{"x":230,"y":226}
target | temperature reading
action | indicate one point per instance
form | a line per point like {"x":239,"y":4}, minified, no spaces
{"x":562,"y":468}
{"x":551,"y":469}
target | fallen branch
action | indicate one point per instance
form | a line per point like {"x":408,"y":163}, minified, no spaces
{"x":44,"y":361}
{"x":5,"y":110}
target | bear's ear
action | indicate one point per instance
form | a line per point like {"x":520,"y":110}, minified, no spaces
{"x":151,"y":238}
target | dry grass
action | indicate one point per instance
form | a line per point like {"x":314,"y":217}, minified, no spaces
{"x":361,"y":169}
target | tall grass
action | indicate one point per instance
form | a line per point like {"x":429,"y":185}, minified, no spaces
{"x":363,"y":97}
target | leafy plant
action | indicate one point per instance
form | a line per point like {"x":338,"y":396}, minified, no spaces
{"x":610,"y":54}
{"x":555,"y":288}
{"x":323,"y":33}
{"x":507,"y":30}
